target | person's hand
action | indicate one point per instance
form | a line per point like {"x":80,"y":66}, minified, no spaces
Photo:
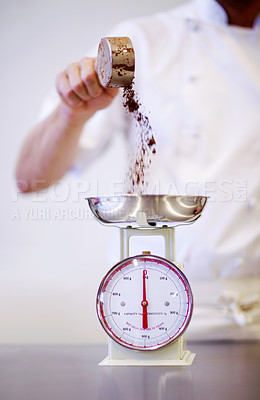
{"x":80,"y":90}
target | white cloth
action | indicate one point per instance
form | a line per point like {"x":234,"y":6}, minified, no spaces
{"x":199,"y":78}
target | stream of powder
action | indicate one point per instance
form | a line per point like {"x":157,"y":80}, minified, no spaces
{"x":137,"y":175}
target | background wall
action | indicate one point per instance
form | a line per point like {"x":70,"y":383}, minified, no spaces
{"x":52,"y":254}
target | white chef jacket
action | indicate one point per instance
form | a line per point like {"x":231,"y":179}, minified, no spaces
{"x":199,"y":80}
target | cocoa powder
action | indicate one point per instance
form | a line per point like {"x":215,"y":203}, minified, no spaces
{"x":137,"y":176}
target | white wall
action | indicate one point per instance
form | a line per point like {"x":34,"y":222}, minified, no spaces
{"x":50,"y":268}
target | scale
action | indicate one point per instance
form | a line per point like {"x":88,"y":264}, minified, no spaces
{"x":145,"y":302}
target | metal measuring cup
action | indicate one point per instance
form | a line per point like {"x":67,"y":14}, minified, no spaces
{"x":115,"y":62}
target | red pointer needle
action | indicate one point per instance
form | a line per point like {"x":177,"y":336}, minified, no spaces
{"x":144,"y":302}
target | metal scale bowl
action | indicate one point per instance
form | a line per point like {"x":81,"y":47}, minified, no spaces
{"x":140,"y":211}
{"x":144,"y":302}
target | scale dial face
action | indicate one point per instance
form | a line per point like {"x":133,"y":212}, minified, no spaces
{"x":144,"y":302}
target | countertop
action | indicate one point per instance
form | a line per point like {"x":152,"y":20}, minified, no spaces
{"x":220,"y":371}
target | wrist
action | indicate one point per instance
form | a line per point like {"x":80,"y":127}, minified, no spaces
{"x":72,"y":116}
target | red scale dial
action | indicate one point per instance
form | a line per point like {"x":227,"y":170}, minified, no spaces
{"x":144,"y":302}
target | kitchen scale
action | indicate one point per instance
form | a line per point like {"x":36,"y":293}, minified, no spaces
{"x":145,"y":302}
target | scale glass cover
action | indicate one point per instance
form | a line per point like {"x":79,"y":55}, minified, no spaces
{"x":144,"y":302}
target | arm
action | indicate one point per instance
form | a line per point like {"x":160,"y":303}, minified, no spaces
{"x":52,"y":145}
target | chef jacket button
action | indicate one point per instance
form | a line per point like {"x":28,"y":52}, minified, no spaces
{"x":192,"y":78}
{"x":192,"y":131}
{"x":239,"y":262}
{"x":193,"y":25}
{"x":251,"y":204}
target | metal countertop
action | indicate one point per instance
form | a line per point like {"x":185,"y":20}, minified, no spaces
{"x":220,"y":371}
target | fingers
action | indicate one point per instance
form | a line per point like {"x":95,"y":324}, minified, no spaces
{"x":89,"y":77}
{"x":65,"y":90}
{"x":79,"y":83}
{"x":76,"y":83}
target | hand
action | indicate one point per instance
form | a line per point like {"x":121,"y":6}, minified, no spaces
{"x":144,"y":302}
{"x":80,"y":90}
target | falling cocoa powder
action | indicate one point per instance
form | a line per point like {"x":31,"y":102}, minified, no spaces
{"x":145,"y":148}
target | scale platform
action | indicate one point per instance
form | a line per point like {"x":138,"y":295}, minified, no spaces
{"x":144,"y":211}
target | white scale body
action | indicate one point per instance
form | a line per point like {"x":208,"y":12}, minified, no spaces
{"x":169,"y":309}
{"x":145,"y":302}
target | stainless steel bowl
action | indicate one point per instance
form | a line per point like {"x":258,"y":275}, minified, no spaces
{"x":144,"y":211}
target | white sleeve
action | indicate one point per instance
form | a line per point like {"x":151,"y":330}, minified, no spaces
{"x":98,"y":133}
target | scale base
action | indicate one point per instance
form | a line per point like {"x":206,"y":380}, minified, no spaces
{"x":172,"y":355}
{"x":187,"y":360}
